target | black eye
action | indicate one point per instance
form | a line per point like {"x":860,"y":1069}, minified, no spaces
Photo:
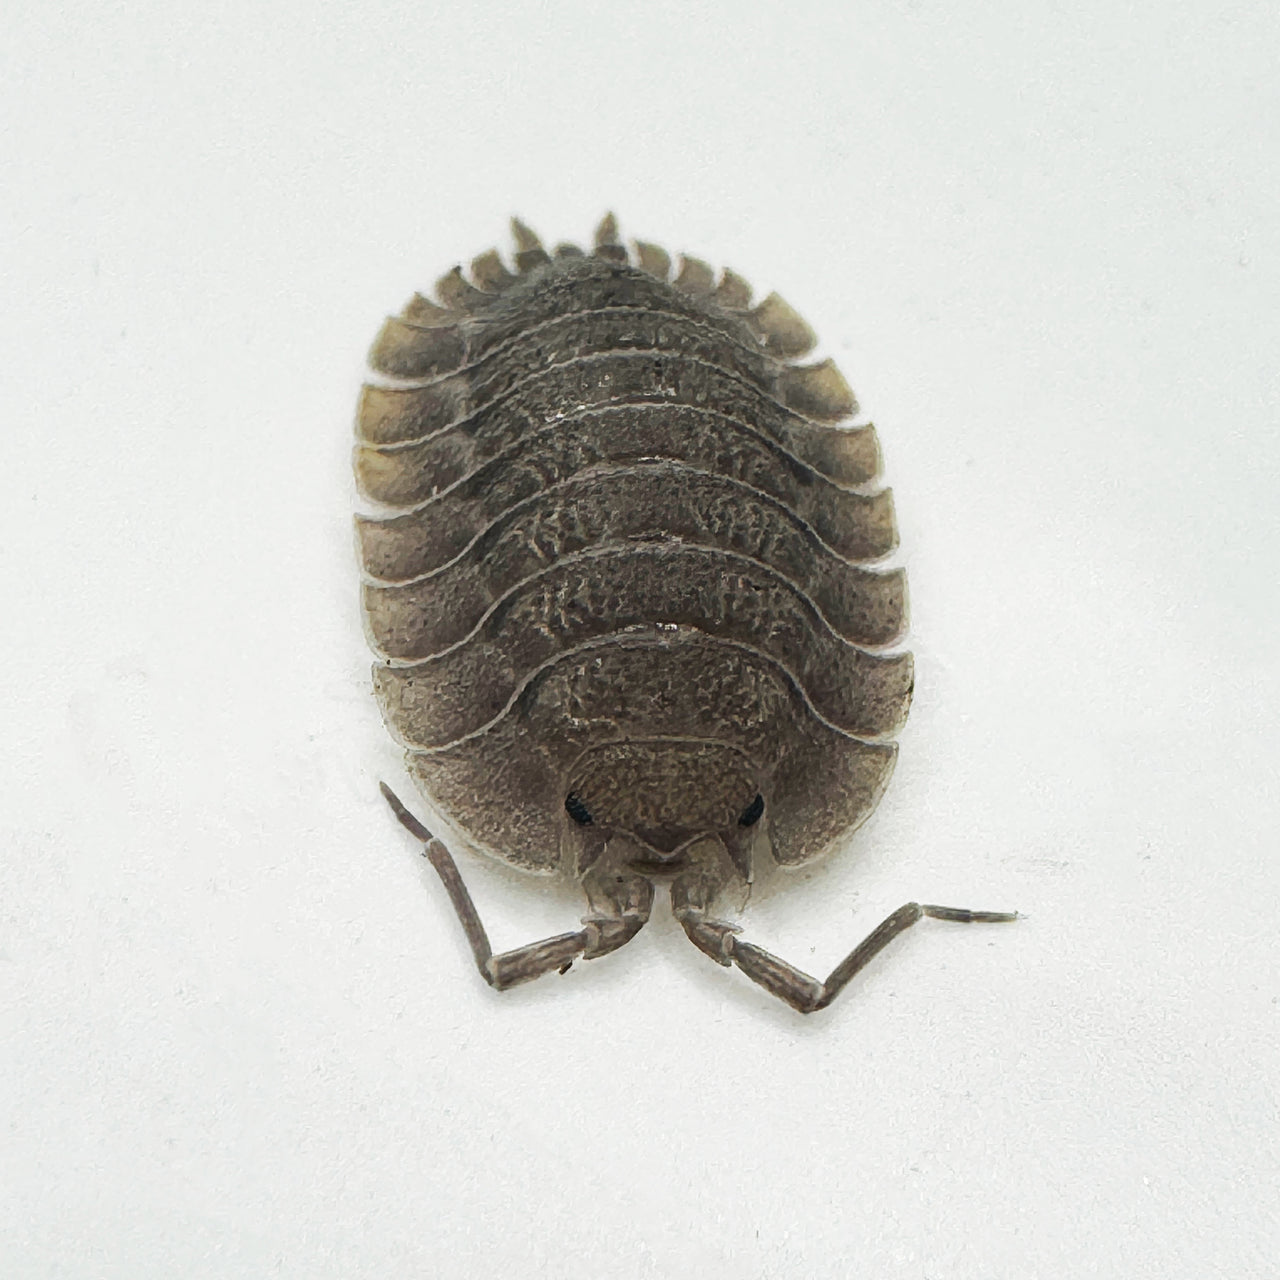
{"x":751,"y":814}
{"x":577,"y":810}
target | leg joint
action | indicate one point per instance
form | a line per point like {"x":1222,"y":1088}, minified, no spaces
{"x":714,"y":938}
{"x":608,"y":933}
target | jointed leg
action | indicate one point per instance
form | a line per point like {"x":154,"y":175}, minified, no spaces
{"x":690,"y":900}
{"x":620,"y":906}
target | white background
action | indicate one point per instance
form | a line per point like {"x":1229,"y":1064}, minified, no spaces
{"x":242,"y":1035}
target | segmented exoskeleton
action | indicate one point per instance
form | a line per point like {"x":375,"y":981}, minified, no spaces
{"x":621,"y":588}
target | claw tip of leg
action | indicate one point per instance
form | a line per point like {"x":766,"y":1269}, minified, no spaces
{"x":405,"y":818}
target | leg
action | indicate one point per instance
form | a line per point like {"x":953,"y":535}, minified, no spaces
{"x":689,"y":903}
{"x":620,"y":910}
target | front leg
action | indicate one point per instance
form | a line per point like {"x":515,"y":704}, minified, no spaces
{"x":691,"y":899}
{"x":620,"y":908}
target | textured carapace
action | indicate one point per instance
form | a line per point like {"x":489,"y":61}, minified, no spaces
{"x":620,"y":585}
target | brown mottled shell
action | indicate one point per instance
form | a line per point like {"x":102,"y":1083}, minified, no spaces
{"x":624,"y":542}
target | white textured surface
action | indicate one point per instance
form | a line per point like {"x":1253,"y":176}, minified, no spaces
{"x":241,"y":1034}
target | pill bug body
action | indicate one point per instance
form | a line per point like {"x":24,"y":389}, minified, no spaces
{"x":620,"y":582}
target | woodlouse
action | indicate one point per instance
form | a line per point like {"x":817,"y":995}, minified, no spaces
{"x":622,"y":594}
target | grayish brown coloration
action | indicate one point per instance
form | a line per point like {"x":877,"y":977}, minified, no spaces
{"x":621,"y":592}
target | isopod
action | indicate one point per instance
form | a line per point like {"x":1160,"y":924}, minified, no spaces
{"x":622,"y":586}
